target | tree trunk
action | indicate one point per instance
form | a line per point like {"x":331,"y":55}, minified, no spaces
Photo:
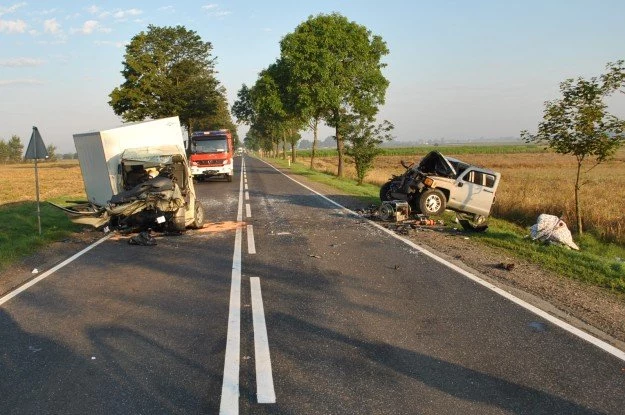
{"x":578,"y":210}
{"x":339,"y":149}
{"x":314,"y":145}
{"x":293,"y":153}
{"x":283,"y":147}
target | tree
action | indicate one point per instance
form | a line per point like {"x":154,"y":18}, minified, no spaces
{"x":579,"y":124}
{"x":220,"y":119}
{"x":51,"y":149}
{"x":15,"y":149}
{"x":363,"y":139}
{"x":336,"y":67}
{"x":168,"y":71}
{"x":4,"y":152}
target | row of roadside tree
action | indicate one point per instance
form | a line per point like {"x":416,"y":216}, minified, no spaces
{"x":329,"y":70}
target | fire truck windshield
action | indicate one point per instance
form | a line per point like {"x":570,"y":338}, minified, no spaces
{"x":213,"y":145}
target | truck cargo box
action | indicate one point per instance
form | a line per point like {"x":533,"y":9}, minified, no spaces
{"x":99,"y":152}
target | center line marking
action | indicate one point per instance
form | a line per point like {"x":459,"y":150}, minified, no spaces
{"x":251,"y":246}
{"x":265,"y":392}
{"x":248,"y":210}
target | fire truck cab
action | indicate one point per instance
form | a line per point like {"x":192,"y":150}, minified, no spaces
{"x":211,"y":154}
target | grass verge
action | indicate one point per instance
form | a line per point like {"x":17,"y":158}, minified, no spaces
{"x":19,"y":235}
{"x":597,"y":263}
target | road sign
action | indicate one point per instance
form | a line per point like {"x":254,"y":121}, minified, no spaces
{"x":36,"y":148}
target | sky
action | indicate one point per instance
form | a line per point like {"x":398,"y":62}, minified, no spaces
{"x":458,"y":70}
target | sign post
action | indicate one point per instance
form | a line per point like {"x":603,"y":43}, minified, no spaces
{"x":36,"y":150}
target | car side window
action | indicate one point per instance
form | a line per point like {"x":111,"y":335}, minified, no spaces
{"x":481,"y":178}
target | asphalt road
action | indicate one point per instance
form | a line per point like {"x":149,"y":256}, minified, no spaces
{"x":318,"y":313}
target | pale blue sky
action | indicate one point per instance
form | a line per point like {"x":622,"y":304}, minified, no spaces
{"x":457,"y":69}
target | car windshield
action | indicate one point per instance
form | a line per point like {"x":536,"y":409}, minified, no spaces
{"x":214,"y":145}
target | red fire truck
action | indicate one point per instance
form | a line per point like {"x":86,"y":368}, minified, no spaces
{"x":211,"y":154}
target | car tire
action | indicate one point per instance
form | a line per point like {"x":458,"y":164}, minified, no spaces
{"x":198,"y":216}
{"x":229,"y":177}
{"x":387,"y":188}
{"x":472,"y":223}
{"x":432,"y":202}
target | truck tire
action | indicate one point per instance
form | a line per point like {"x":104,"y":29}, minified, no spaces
{"x":198,"y":216}
{"x":229,"y":177}
{"x":432,"y":202}
{"x":178,"y":221}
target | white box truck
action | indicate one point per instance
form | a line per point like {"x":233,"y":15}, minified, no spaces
{"x":137,"y":176}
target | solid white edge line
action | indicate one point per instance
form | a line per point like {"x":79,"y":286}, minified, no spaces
{"x":248,"y":210}
{"x":52,"y":270}
{"x":552,"y":319}
{"x":265,"y":392}
{"x":251,"y":246}
{"x":229,"y":404}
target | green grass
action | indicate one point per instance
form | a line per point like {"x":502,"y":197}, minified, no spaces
{"x":366,"y":192}
{"x":457,"y":149}
{"x":597,"y":263}
{"x":19,"y":234}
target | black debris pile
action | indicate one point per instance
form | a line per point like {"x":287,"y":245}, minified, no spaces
{"x":144,"y":238}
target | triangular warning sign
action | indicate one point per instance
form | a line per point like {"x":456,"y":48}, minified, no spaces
{"x":36,"y":148}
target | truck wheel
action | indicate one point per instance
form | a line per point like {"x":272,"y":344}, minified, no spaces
{"x":198,"y":216}
{"x":177,"y":221}
{"x":432,"y":202}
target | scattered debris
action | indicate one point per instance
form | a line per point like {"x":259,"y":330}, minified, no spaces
{"x":552,"y":229}
{"x":143,"y":238}
{"x":507,"y":267}
{"x":35,"y":271}
{"x":314,"y":256}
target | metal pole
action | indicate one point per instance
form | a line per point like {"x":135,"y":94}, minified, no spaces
{"x":37,"y":189}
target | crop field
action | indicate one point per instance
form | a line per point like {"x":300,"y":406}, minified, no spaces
{"x":56,"y":180}
{"x":534,"y":181}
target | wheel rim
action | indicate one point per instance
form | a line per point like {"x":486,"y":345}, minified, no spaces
{"x":432,"y":203}
{"x":199,"y":216}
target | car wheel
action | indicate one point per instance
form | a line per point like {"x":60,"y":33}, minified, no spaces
{"x":432,"y":202}
{"x":472,"y":223}
{"x":198,"y":217}
{"x":229,"y":177}
{"x":386,"y":189}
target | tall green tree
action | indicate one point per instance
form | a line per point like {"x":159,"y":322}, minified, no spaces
{"x":363,"y":138}
{"x":168,"y":71}
{"x":336,"y":68}
{"x":579,"y":124}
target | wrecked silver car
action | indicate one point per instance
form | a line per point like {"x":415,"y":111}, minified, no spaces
{"x":438,"y":183}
